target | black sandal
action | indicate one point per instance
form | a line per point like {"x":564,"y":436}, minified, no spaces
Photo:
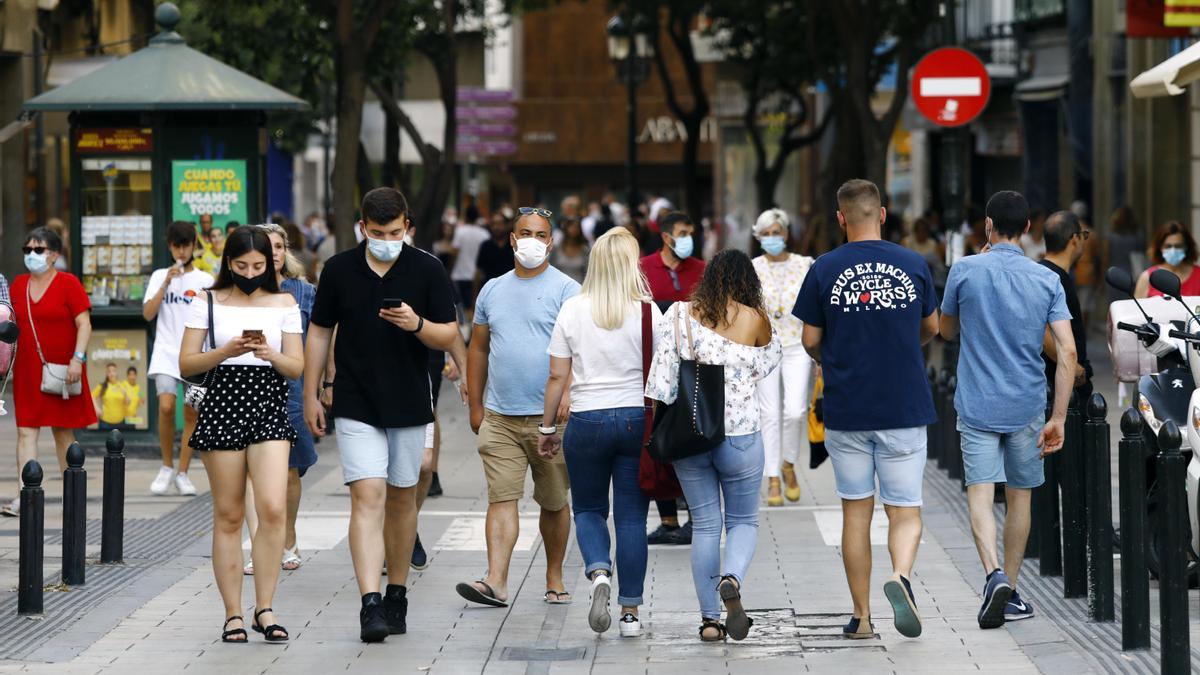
{"x":739,"y":624}
{"x":269,"y":633}
{"x":227,"y":634}
{"x":713,"y":623}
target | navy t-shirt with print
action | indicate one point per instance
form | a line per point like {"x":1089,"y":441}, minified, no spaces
{"x":870,"y":298}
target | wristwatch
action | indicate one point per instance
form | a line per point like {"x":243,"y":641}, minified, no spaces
{"x":547,"y":431}
{"x":80,"y":357}
{"x":420,"y":325}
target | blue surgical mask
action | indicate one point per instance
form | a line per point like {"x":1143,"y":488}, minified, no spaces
{"x":384,"y":250}
{"x":773,"y":245}
{"x":683,"y":247}
{"x":36,"y":262}
{"x":1172,"y":255}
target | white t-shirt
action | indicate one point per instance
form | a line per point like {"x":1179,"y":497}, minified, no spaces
{"x":606,"y":365}
{"x":467,"y":239}
{"x":168,"y":327}
{"x":229,"y":322}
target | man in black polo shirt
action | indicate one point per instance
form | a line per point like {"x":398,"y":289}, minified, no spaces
{"x":391,"y":304}
{"x":1065,"y":241}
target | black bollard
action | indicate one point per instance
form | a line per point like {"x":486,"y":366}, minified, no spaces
{"x":1050,"y":560}
{"x":1033,"y":547}
{"x":1074,"y":519}
{"x":33,"y":526}
{"x":1135,"y":575}
{"x":950,"y":443}
{"x":74,"y":517}
{"x":113,"y":524}
{"x":1099,"y":514}
{"x":939,"y":404}
{"x":1172,"y":554}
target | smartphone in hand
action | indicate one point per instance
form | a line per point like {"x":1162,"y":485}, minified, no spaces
{"x":393,"y":303}
{"x":255,"y":336}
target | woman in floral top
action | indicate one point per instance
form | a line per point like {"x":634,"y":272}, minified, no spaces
{"x":724,"y":324}
{"x":783,"y":395}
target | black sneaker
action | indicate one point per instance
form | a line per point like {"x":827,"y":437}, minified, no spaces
{"x":682,"y":536}
{"x":373,"y":624}
{"x":420,"y":559}
{"x":662,"y":535}
{"x":395,"y":609}
{"x":435,"y":487}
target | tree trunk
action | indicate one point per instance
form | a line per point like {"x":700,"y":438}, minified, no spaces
{"x":439,"y":169}
{"x":693,"y":202}
{"x":362,"y":171}
{"x":351,"y":92}
{"x":391,"y":151}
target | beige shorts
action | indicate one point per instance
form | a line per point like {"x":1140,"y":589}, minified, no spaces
{"x":508,"y":448}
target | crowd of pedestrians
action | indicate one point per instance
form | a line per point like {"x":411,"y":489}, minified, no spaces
{"x":582,"y":324}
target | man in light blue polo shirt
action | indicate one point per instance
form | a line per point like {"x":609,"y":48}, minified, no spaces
{"x":514,"y":318}
{"x":1001,"y":302}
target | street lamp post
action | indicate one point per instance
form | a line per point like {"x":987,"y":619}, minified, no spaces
{"x":629,"y":49}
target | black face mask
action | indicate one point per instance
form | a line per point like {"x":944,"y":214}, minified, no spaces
{"x":248,"y":285}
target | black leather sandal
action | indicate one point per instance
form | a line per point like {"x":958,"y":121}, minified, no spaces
{"x":713,"y":623}
{"x":227,"y":634}
{"x":736,"y":619}
{"x":269,"y":633}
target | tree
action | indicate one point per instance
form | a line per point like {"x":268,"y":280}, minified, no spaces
{"x":759,"y":37}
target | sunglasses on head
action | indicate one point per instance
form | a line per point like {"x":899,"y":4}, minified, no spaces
{"x":529,"y":210}
{"x":34,"y":249}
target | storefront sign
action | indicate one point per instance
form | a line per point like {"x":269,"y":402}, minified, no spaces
{"x":114,"y":140}
{"x":217,"y":187}
{"x":1182,"y":13}
{"x":118,"y":358}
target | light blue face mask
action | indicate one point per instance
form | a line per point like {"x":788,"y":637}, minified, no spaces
{"x":1173,"y":255}
{"x":773,"y":245}
{"x":384,"y":250}
{"x":36,"y":262}
{"x":683,"y":247}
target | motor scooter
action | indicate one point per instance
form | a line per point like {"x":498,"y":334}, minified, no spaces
{"x":1168,"y":394}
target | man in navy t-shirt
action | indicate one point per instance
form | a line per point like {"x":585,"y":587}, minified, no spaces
{"x":867,"y":309}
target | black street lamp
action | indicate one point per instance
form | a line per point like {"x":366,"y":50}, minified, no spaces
{"x":630,"y":50}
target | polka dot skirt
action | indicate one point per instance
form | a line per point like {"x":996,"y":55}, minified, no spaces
{"x":245,"y":405}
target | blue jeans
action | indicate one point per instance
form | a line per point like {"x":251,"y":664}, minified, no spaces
{"x":733,"y":469}
{"x":603,"y":447}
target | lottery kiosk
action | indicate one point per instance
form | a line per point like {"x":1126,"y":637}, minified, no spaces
{"x":166,"y":133}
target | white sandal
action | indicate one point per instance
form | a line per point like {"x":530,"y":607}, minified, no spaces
{"x":290,"y":557}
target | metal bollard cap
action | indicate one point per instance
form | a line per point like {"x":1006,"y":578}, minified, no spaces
{"x":31,"y":475}
{"x":75,"y":456}
{"x":1097,"y":407}
{"x":115,"y":443}
{"x":1131,"y":422}
{"x":1169,"y":439}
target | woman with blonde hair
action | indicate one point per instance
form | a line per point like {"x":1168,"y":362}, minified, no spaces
{"x":598,"y":344}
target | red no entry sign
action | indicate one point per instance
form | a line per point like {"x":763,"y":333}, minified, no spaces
{"x":950,"y":86}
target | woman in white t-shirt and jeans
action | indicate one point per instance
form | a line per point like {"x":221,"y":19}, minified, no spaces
{"x":597,"y":340}
{"x":169,"y":298}
{"x":243,"y":427}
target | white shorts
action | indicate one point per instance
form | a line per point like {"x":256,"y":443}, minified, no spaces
{"x":393,"y":454}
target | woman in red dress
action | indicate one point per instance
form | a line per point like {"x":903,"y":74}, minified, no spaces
{"x":1174,"y":250}
{"x":59,"y":309}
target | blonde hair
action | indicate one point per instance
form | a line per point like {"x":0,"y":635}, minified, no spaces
{"x":292,"y":267}
{"x":614,"y":280}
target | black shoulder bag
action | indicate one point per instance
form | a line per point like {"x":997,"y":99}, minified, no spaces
{"x":695,"y":422}
{"x":198,"y":384}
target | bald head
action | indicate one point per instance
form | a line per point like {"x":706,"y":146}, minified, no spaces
{"x":1060,"y":227}
{"x":859,"y":203}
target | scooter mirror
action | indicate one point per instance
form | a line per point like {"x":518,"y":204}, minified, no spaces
{"x":1167,"y":283}
{"x":1119,"y":279}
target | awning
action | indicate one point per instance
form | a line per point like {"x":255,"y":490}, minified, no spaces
{"x":1170,"y":77}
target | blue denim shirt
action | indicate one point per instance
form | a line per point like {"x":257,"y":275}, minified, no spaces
{"x":305,"y":294}
{"x":1003,"y":302}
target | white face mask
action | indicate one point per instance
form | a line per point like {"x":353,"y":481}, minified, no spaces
{"x":530,"y":253}
{"x":384,"y":250}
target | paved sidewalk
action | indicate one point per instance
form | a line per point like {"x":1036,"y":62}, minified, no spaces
{"x":169,"y":617}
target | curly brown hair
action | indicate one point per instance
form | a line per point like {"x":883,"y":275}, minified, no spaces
{"x":728,"y":276}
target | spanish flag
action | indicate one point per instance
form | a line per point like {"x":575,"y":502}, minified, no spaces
{"x":1181,"y":13}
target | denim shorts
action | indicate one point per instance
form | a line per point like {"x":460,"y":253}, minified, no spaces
{"x":372,"y":452}
{"x":1012,"y":458}
{"x":895,"y":456}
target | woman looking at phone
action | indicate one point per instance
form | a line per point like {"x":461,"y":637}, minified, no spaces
{"x":243,"y":429}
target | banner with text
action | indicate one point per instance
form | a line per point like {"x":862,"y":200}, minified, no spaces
{"x":216,"y":186}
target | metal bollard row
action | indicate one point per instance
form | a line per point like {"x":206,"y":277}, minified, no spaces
{"x":1099,"y":513}
{"x":1172,"y":580}
{"x":1074,"y":516}
{"x":33,"y":527}
{"x":112,"y":530}
{"x":1135,"y":572}
{"x":74,"y":517}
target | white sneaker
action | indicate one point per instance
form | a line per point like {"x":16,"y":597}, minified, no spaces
{"x":631,"y":626}
{"x":162,"y":482}
{"x":598,"y":617}
{"x":184,"y":485}
{"x":12,"y":509}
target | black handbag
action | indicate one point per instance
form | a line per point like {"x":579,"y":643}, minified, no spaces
{"x":199,"y":383}
{"x":695,"y":422}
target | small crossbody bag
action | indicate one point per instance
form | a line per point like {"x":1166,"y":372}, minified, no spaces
{"x":54,"y":375}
